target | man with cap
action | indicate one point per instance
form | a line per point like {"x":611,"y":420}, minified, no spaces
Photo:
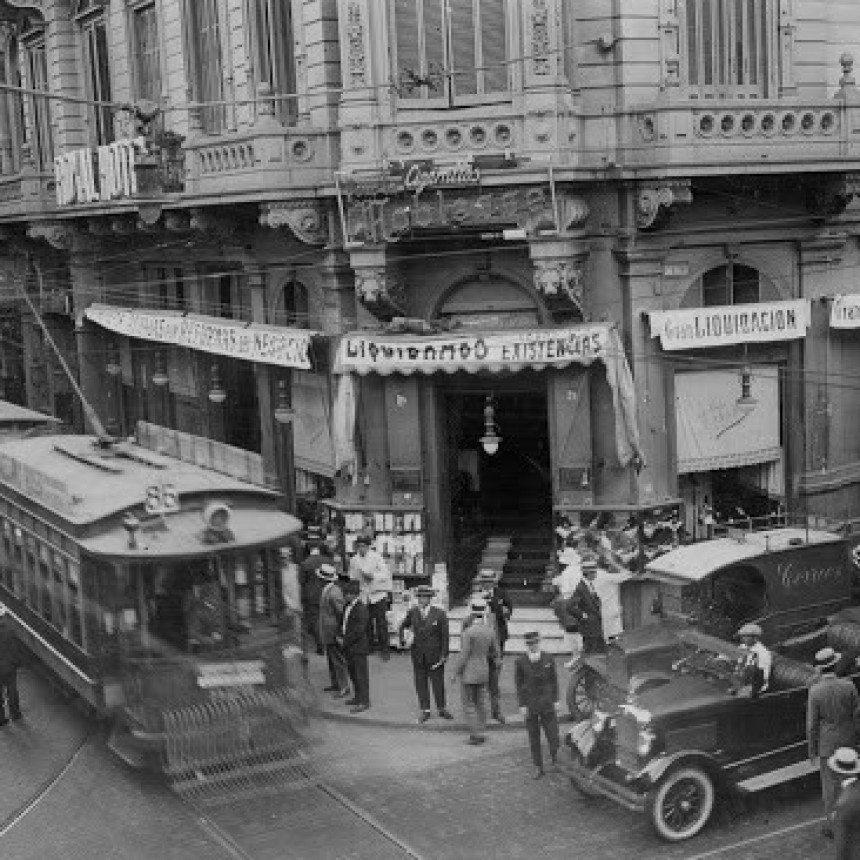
{"x":537,"y":693}
{"x":10,"y":662}
{"x":756,"y":661}
{"x":585,"y":610}
{"x":330,"y":620}
{"x":845,"y":766}
{"x":832,"y":717}
{"x":368,"y":567}
{"x":355,"y":642}
{"x":479,"y":650}
{"x":429,"y":626}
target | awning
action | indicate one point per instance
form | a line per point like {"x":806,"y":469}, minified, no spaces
{"x":265,"y":344}
{"x":507,"y":350}
{"x":714,"y":432}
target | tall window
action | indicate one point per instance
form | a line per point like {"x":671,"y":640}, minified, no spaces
{"x":204,"y":48}
{"x":451,"y":50}
{"x":38,"y":130}
{"x":11,"y":109}
{"x":97,"y":73}
{"x":146,"y":52}
{"x":729,"y":47}
{"x":273,"y":58}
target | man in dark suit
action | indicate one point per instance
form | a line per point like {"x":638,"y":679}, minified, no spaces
{"x":584,"y":607}
{"x":356,"y":645}
{"x":832,"y":715}
{"x":330,"y":620}
{"x":311,"y":589}
{"x":537,"y":693}
{"x":499,"y":609}
{"x":429,"y":626}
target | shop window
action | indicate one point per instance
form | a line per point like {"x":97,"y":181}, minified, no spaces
{"x":728,"y":47}
{"x":94,"y":43}
{"x":146,"y":52}
{"x":452,"y":51}
{"x":731,"y":285}
{"x":203,"y":29}
{"x":272,"y":57}
{"x":38,"y":131}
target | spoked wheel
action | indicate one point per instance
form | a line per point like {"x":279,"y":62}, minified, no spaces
{"x":583,"y":693}
{"x":681,"y":804}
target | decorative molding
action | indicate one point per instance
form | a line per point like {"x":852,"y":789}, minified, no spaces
{"x":307,"y":219}
{"x":825,"y":249}
{"x":830,"y":194}
{"x":656,"y":201}
{"x":355,"y":56}
{"x":540,"y":47}
{"x":560,"y":282}
{"x":380,"y":291}
{"x":59,"y":236}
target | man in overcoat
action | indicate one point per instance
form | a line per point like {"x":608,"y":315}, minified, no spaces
{"x":429,"y":626}
{"x":330,"y":620}
{"x":537,"y":694}
{"x":355,"y":641}
{"x":832,"y":717}
{"x":585,"y":608}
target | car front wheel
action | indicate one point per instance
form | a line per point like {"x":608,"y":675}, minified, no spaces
{"x":583,"y":693}
{"x":681,"y":804}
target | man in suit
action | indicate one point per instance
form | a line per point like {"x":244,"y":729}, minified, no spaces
{"x":537,"y":693}
{"x":330,"y":620}
{"x":845,"y":765}
{"x":10,"y":662}
{"x":585,"y":609}
{"x":355,"y":642}
{"x":429,"y":626}
{"x":479,"y":651}
{"x":499,"y":610}
{"x":832,"y":717}
{"x":311,"y":588}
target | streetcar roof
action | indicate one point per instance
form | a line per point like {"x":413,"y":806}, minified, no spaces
{"x":83,"y":483}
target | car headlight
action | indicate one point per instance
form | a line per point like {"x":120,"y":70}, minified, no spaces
{"x":644,"y":742}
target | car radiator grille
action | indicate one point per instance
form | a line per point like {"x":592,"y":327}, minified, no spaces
{"x":626,"y":735}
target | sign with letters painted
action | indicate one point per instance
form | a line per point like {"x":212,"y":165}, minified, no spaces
{"x":98,"y":175}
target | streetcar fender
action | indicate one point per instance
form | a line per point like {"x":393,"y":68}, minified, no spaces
{"x":658,"y":767}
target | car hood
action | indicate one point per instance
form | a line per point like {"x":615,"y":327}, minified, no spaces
{"x":682,"y":693}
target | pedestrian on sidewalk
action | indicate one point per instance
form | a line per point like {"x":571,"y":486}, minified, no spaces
{"x":311,"y":588}
{"x":479,"y":653}
{"x":368,"y":567}
{"x":832,"y":719}
{"x":356,"y":646}
{"x":537,"y":693}
{"x":429,"y":626}
{"x":845,"y":765}
{"x":585,"y":609}
{"x":499,"y":611}
{"x":330,"y":620}
{"x":10,"y":663}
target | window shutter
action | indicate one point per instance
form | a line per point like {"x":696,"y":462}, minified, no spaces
{"x":493,"y":46}
{"x":463,"y":59}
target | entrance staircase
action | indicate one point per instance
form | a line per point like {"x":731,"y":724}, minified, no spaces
{"x":523,"y":620}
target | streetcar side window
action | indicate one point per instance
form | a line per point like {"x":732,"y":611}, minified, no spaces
{"x":31,"y":573}
{"x":18,"y":571}
{"x":76,"y":609}
{"x":8,"y":568}
{"x":46,"y":586}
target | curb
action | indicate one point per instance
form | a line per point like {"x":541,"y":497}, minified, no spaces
{"x":513,"y":723}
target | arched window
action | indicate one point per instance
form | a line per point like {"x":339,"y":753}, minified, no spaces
{"x":489,"y":303}
{"x":731,"y":284}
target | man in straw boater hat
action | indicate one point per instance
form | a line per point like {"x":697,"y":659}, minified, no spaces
{"x":845,"y":766}
{"x":832,"y":716}
{"x":330,"y":620}
{"x":537,"y":693}
{"x":755,"y":663}
{"x":429,"y":626}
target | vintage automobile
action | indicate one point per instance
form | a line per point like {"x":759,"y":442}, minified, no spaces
{"x":787,"y":580}
{"x":684,"y":735}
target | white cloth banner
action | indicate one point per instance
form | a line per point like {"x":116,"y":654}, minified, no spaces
{"x":313,"y":448}
{"x":714,"y":432}
{"x":845,"y":311}
{"x":266,"y":344}
{"x":695,"y":328}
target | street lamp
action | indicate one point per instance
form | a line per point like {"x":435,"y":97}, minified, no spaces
{"x":159,"y":375}
{"x":746,"y":401}
{"x":217,"y":393}
{"x":284,"y":413}
{"x":113,"y":366}
{"x":491,"y":439}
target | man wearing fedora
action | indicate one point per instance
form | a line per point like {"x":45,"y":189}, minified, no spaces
{"x":499,"y":608}
{"x":537,"y":694}
{"x":369,"y":568}
{"x":832,"y":716}
{"x":330,"y":620}
{"x":585,"y":609}
{"x":845,"y":766}
{"x":355,"y":641}
{"x":429,"y":626}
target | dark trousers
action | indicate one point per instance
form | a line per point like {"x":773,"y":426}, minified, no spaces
{"x":593,"y":644}
{"x":547,"y":718}
{"x":9,"y":694}
{"x":337,"y":668}
{"x":425,"y":677}
{"x":378,"y":625}
{"x":360,"y":676}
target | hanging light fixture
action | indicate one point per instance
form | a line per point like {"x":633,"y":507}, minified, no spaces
{"x":283,"y":411}
{"x":217,"y":394}
{"x":159,"y":375}
{"x":746,"y":401}
{"x":491,"y":439}
{"x":113,"y":366}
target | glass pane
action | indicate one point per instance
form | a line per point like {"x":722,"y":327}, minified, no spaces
{"x":463,"y":61}
{"x":745,"y":285}
{"x":707,"y":42}
{"x":433,"y":19}
{"x":147,"y":54}
{"x":694,"y":54}
{"x":408,"y":46}
{"x":715,"y":287}
{"x":493,"y":46}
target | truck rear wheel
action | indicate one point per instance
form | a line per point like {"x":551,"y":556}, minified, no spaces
{"x":681,"y":804}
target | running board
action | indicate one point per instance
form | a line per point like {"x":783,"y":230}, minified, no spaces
{"x":778,"y":776}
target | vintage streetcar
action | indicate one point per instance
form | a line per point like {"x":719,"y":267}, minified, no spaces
{"x":153,"y":588}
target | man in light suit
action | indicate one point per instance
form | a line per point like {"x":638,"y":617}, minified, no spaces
{"x":330,"y":620}
{"x":355,"y":641}
{"x":429,"y":626}
{"x":537,"y":693}
{"x":585,"y":609}
{"x":478,"y":650}
{"x":832,"y":718}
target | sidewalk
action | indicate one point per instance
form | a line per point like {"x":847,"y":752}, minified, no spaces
{"x":394,"y":703}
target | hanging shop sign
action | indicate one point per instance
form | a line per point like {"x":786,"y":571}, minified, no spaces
{"x":265,"y":344}
{"x":97,"y":175}
{"x":696,"y":328}
{"x":845,"y":311}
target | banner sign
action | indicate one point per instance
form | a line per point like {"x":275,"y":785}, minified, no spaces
{"x":845,"y":311}
{"x":285,"y":347}
{"x":472,"y":352}
{"x":98,"y":175}
{"x":696,"y":328}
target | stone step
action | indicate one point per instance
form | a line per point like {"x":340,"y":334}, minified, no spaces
{"x":523,"y":620}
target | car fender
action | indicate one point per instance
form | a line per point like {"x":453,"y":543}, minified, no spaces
{"x":657,"y":768}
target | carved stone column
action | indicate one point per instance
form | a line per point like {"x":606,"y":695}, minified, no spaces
{"x":377,"y":286}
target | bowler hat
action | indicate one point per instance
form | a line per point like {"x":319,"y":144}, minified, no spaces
{"x":750,"y":630}
{"x":327,"y":571}
{"x":423,"y":591}
{"x":826,"y":658}
{"x":531,"y":637}
{"x":845,"y":762}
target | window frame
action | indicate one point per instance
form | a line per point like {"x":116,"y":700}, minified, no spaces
{"x":38,"y":129}
{"x":199,"y":54}
{"x":134,"y":9}
{"x":99,"y":119}
{"x":280,"y":51}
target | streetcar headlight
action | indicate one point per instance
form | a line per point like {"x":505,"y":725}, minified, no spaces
{"x":644,"y":742}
